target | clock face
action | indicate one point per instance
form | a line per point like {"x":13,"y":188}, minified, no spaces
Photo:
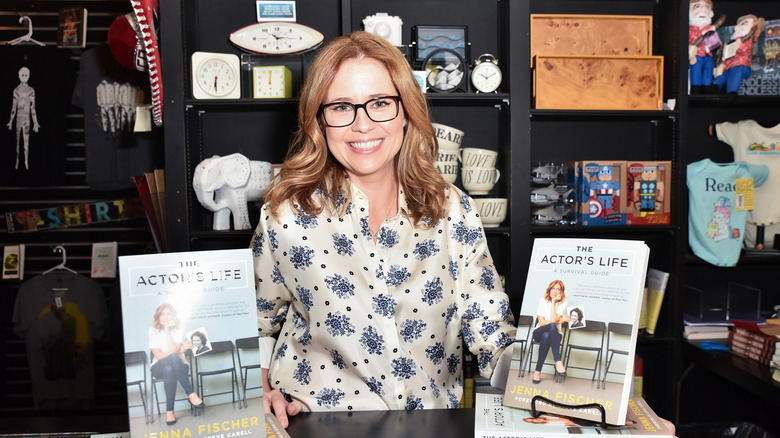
{"x":272,"y":82}
{"x":215,"y":76}
{"x":486,"y":77}
{"x":276,"y":38}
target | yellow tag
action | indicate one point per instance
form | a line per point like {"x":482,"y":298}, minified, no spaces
{"x":744,"y":195}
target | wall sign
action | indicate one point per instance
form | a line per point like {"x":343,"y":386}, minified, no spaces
{"x":73,"y":215}
{"x":275,"y":11}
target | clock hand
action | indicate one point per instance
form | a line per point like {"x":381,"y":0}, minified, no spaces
{"x":215,"y":82}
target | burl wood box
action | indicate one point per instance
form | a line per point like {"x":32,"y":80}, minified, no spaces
{"x":598,"y":82}
{"x":606,"y":35}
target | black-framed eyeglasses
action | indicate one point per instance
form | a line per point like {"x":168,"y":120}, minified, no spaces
{"x":378,"y":109}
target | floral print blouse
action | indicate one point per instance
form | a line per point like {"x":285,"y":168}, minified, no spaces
{"x":375,"y":326}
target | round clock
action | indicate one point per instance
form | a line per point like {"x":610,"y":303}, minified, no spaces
{"x":486,"y":76}
{"x":445,"y":71}
{"x":215,"y":76}
{"x":276,"y":38}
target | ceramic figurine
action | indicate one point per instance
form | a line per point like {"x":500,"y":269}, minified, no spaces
{"x":702,"y":40}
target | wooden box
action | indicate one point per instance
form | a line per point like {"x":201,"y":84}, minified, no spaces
{"x":606,"y":35}
{"x":598,"y":82}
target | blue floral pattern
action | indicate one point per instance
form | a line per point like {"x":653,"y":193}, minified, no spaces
{"x":377,"y":324}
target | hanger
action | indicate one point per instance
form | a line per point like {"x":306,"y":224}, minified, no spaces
{"x":26,"y":38}
{"x":61,"y":249}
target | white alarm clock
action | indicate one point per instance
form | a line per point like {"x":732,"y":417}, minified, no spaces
{"x":216,"y":76}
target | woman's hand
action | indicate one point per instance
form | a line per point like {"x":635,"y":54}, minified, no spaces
{"x":275,"y":402}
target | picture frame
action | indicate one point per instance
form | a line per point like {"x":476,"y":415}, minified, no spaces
{"x":428,"y":38}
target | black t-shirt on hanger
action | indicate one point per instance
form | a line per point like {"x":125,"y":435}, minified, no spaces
{"x":109,"y":92}
{"x":35,"y":88}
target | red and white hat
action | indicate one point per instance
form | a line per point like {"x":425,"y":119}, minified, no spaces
{"x":133,"y":42}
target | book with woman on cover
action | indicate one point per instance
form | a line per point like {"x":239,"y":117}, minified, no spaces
{"x":190,"y":335}
{"x":493,"y":420}
{"x":583,"y":297}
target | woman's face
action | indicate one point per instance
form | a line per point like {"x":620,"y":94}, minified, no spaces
{"x":555,"y":292}
{"x":575,"y":317}
{"x":166,"y":318}
{"x":365,"y":148}
{"x":196,"y":341}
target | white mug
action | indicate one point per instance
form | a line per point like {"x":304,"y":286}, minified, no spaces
{"x":447,"y":165}
{"x":449,"y":138}
{"x":492,"y":211}
{"x":479,"y":180}
{"x":476,"y":157}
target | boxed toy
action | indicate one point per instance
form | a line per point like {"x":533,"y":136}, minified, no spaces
{"x":647,"y":192}
{"x":601,"y":188}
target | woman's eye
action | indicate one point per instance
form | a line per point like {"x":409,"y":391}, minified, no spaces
{"x":341,"y":108}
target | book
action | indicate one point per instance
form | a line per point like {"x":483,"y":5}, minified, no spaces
{"x":639,"y":377}
{"x":493,"y":419}
{"x":604,"y":279}
{"x":13,"y":262}
{"x":213,"y":293}
{"x":273,"y":428}
{"x":656,"y":288}
{"x":142,"y":185}
{"x":104,"y":257}
{"x":72,"y":27}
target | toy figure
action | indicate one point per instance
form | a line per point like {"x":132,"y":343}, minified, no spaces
{"x":603,"y":193}
{"x":736,"y":58}
{"x":702,"y":40}
{"x":648,"y":190}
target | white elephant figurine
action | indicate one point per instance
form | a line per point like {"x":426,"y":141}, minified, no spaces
{"x":224,"y":185}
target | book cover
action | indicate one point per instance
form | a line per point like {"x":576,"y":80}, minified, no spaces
{"x":492,"y":419}
{"x":104,"y":257}
{"x":656,"y":288}
{"x":72,"y":27}
{"x":209,"y":295}
{"x":601,"y":283}
{"x":273,"y":428}
{"x":13,"y":262}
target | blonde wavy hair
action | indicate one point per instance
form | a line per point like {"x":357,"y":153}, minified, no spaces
{"x":309,"y":168}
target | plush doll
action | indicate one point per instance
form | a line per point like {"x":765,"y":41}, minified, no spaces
{"x":702,"y":40}
{"x":735,"y":60}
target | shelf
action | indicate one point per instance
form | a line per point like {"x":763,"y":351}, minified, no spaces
{"x":541,"y":114}
{"x":620,"y":229}
{"x":246,"y":104}
{"x":717,"y":101}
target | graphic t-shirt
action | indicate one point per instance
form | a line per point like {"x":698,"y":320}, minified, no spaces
{"x":755,"y":144}
{"x":35,"y":88}
{"x":715,"y":224}
{"x":59,"y":315}
{"x":109,"y":93}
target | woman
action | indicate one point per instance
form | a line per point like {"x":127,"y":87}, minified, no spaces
{"x":550,"y":315}
{"x":167,"y":344}
{"x":199,"y":343}
{"x":576,"y":318}
{"x":371,"y":268}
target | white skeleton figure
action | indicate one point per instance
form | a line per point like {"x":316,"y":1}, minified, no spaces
{"x":117,"y":104}
{"x":23,"y":108}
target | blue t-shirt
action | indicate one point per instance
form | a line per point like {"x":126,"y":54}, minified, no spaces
{"x":715,"y":226}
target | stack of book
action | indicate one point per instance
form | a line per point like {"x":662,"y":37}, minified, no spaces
{"x":697,"y":329}
{"x":755,"y":341}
